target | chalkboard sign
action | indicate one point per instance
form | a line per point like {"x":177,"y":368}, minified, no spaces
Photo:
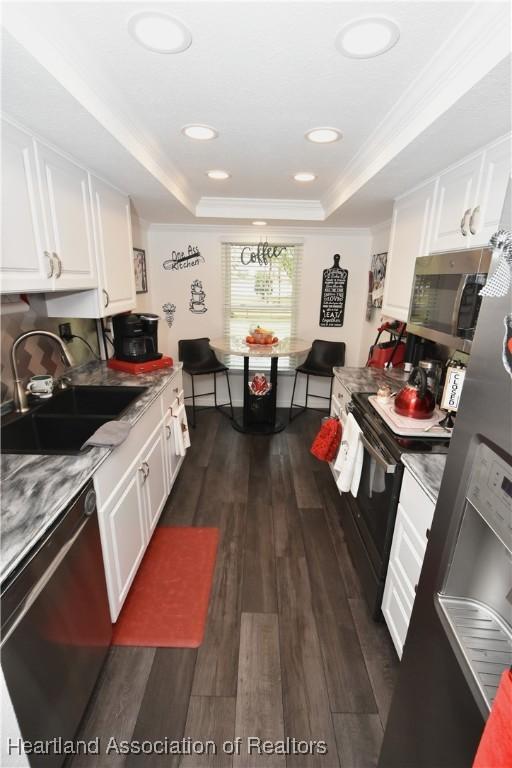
{"x":334,"y":293}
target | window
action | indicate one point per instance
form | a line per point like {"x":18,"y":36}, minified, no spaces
{"x":261,"y":287}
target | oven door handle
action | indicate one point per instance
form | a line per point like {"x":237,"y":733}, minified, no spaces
{"x":379,"y":458}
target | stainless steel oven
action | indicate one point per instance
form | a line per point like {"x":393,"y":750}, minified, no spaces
{"x":445,"y":299}
{"x":369,"y":518}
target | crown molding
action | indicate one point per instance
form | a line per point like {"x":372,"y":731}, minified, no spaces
{"x":44,"y":36}
{"x":253,"y":233}
{"x":474,"y":48}
{"x":376,"y":229}
{"x":260,"y":208}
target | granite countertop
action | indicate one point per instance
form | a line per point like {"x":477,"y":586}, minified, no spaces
{"x":427,"y":469}
{"x":369,"y":379}
{"x":37,"y":488}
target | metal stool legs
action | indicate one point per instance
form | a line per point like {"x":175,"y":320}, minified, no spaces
{"x":217,"y":406}
{"x":229,"y":392}
{"x":193,"y":403}
{"x":305,"y":407}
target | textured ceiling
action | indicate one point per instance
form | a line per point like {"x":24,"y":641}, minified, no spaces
{"x":261,"y":73}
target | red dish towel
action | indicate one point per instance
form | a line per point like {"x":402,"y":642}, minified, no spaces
{"x":495,"y":748}
{"x":326,"y":443}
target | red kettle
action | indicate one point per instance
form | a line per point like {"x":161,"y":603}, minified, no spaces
{"x":415,"y":400}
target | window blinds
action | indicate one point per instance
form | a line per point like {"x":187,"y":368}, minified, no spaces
{"x":261,"y":289}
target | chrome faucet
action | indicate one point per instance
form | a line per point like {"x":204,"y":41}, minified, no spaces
{"x":20,"y":393}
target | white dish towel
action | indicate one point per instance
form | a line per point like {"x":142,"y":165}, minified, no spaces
{"x":349,"y":461}
{"x":181,"y":434}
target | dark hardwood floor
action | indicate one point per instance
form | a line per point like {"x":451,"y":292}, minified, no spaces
{"x":290,"y":649}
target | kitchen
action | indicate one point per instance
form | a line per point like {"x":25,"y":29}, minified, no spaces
{"x":256,"y":384}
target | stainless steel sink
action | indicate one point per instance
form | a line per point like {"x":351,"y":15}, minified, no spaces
{"x":62,"y":425}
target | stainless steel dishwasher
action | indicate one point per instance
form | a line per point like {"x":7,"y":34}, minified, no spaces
{"x":56,"y":628}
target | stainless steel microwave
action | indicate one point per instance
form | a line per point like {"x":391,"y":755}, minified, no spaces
{"x":445,"y":299}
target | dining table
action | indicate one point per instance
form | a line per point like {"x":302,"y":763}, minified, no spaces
{"x":259,"y":415}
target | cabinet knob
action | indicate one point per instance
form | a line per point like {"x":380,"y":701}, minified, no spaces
{"x":51,"y":264}
{"x":146,"y":467}
{"x":141,"y":469}
{"x":107,"y":297}
{"x":474,"y":220}
{"x":59,"y":264}
{"x":169,"y":431}
{"x":464,"y":222}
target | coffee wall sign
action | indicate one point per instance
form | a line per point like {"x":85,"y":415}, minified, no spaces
{"x":262,"y":254}
{"x":334,"y":294}
{"x":184,"y":260}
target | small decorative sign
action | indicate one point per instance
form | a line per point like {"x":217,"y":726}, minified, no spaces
{"x":262,"y":254}
{"x":453,"y":388}
{"x":169,"y":311}
{"x":139,"y":267}
{"x":181,"y":260}
{"x":197,"y":298}
{"x":334,"y":293}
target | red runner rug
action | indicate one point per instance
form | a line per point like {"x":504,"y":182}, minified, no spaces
{"x":168,"y":602}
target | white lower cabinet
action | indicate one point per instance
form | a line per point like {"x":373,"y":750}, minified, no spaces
{"x":124,"y":539}
{"x":132,"y":486}
{"x":413,"y":519}
{"x":154,"y":480}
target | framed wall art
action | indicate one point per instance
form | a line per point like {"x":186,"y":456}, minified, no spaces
{"x":139,"y":266}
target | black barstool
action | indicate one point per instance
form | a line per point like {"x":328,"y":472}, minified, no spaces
{"x":321,"y":359}
{"x":199,"y":359}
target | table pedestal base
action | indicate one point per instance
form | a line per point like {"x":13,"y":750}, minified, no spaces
{"x":259,"y":429}
{"x":259,"y":413}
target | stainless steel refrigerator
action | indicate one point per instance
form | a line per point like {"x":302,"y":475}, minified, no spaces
{"x":459,"y":638}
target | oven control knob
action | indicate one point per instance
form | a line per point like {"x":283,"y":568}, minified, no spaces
{"x":90,"y":503}
{"x":349,"y":407}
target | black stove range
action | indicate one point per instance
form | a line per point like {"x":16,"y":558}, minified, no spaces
{"x":396,"y":444}
{"x":369,"y":518}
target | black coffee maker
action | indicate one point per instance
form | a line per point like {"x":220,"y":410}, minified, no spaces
{"x":136,"y":337}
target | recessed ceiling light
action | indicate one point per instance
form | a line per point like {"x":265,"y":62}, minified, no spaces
{"x":367,"y":37}
{"x":304,"y":176}
{"x":218,"y":175}
{"x":159,"y":32}
{"x":260,"y":223}
{"x":200,"y":132}
{"x":323,"y":135}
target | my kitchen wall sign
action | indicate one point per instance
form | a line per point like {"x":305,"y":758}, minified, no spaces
{"x":184,"y":260}
{"x":334,"y":294}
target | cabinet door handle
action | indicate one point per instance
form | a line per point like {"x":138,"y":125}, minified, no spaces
{"x":146,"y":467}
{"x":169,"y":431}
{"x":50,"y":264}
{"x":107,"y":297}
{"x":474,"y":220}
{"x":464,"y":222}
{"x":141,"y":469}
{"x":59,"y":264}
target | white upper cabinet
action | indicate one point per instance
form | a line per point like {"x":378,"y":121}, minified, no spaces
{"x":456,"y":199}
{"x":115,"y":290}
{"x":470,"y":200}
{"x":67,"y":216}
{"x":113,"y":234}
{"x":496,"y":170}
{"x":24,"y":265}
{"x":459,"y":209}
{"x":410,"y":232}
